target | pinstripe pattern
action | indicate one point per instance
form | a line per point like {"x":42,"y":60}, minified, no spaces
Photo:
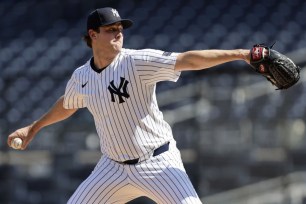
{"x":165,"y":177}
{"x":161,"y":178}
{"x":108,"y":183}
{"x":123,"y":103}
{"x":135,"y":128}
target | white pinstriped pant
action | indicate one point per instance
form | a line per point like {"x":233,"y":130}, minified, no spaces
{"x":161,"y":178}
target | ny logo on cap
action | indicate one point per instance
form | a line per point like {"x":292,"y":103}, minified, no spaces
{"x":115,"y":13}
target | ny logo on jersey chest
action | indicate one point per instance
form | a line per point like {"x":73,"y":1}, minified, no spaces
{"x":121,"y":91}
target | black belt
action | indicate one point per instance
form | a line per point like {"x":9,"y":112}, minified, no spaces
{"x":156,"y":152}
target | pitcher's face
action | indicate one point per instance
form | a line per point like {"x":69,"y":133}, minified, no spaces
{"x":109,"y":39}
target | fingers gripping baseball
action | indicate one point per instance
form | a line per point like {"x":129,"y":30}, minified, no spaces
{"x":21,"y":138}
{"x":16,"y":143}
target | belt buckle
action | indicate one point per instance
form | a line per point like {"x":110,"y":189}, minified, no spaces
{"x":156,"y":152}
{"x":132,"y":161}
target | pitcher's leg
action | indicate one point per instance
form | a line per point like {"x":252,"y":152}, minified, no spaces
{"x":106,"y":184}
{"x":164,"y":179}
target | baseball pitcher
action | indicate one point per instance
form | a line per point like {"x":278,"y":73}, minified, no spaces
{"x":117,"y":85}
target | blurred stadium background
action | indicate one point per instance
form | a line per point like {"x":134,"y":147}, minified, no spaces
{"x":242,"y":141}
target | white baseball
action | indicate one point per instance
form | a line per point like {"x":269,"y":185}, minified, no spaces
{"x":16,"y":143}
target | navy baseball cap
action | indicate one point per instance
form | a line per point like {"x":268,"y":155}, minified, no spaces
{"x":106,"y":16}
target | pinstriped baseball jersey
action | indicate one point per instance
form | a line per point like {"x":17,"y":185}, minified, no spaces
{"x":123,"y":103}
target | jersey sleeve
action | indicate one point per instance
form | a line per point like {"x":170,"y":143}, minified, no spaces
{"x":73,"y":98}
{"x":155,"y":65}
